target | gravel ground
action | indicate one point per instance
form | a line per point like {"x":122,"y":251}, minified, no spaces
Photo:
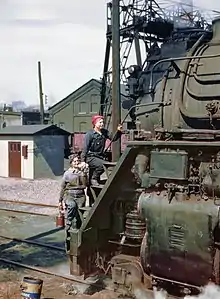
{"x":39,"y":191}
{"x":44,"y":191}
{"x":53,"y":287}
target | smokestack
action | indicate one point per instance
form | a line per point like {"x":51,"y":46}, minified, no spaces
{"x":216,"y":29}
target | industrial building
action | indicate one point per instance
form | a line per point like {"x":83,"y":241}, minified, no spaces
{"x":14,"y":118}
{"x":32,"y":152}
{"x":74,"y":112}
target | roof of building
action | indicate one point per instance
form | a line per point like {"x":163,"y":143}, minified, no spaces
{"x":13,"y":113}
{"x":33,"y":130}
{"x":76,"y":93}
{"x":93,"y":83}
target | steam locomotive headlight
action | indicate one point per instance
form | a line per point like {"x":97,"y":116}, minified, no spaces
{"x":131,"y":69}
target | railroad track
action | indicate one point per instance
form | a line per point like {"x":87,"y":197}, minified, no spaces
{"x":31,"y":242}
{"x":94,"y":284}
{"x":25,"y":207}
{"x":16,"y":241}
{"x":8,"y":260}
{"x":12,"y":262}
{"x":44,"y":271}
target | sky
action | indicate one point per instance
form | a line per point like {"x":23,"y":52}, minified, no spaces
{"x":68,"y":37}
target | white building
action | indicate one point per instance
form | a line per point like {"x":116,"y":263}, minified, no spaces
{"x":34,"y":151}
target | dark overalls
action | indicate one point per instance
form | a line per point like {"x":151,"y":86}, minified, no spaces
{"x":73,"y":192}
{"x":93,"y":151}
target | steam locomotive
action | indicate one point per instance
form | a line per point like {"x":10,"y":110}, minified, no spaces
{"x":156,"y":219}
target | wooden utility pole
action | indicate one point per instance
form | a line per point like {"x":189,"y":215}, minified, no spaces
{"x":41,"y":94}
{"x":116,"y":93}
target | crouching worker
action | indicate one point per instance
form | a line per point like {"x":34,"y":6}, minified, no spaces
{"x":73,"y":186}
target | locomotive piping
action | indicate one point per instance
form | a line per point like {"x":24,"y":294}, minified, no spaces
{"x":184,"y":78}
{"x":177,"y":282}
{"x":132,"y":107}
{"x":189,"y":131}
{"x":195,"y":96}
{"x":176,"y":59}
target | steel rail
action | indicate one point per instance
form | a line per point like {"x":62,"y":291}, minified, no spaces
{"x":40,"y":270}
{"x":27,"y":203}
{"x":25,"y":212}
{"x":94,"y":284}
{"x":34,"y":243}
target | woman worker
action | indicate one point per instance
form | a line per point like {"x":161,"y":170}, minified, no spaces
{"x":74,"y":183}
{"x":94,"y":147}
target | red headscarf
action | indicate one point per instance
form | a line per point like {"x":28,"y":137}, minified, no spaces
{"x":96,"y":118}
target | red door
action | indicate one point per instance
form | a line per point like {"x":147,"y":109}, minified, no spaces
{"x":14,"y":159}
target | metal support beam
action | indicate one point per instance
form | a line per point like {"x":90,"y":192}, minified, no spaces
{"x":105,"y":76}
{"x":116,"y":94}
{"x":137,"y":49}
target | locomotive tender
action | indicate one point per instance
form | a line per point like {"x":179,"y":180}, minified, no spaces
{"x":156,"y":219}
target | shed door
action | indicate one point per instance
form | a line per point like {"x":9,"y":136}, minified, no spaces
{"x":14,"y":159}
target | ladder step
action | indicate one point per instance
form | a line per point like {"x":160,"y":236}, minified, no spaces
{"x":85,"y":208}
{"x":97,"y":186}
{"x":107,"y":163}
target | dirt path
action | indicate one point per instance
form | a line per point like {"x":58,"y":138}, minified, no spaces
{"x":53,"y":288}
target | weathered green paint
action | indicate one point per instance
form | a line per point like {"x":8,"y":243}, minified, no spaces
{"x":188,"y":92}
{"x":180,"y":236}
{"x":180,"y":228}
{"x":83,"y":108}
{"x":48,"y":156}
{"x":64,"y":117}
{"x":75,"y":116}
{"x":166,"y":164}
{"x":74,"y":112}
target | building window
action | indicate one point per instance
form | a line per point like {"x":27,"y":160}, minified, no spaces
{"x":82,"y":108}
{"x":94,"y":103}
{"x":93,"y":107}
{"x":83,"y":126}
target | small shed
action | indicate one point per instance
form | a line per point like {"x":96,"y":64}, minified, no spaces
{"x":32,"y":152}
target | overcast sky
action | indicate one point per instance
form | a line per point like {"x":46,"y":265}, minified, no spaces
{"x":67,"y":36}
